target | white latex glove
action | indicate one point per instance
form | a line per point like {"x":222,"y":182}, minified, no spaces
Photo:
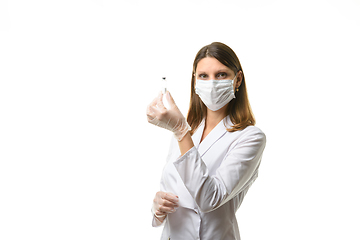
{"x":164,"y":203}
{"x":169,"y":118}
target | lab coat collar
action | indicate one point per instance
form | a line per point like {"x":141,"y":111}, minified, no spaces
{"x":215,"y":134}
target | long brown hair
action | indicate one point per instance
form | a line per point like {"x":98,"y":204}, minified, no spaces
{"x":239,"y":109}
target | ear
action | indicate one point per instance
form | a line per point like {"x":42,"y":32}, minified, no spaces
{"x":239,"y":79}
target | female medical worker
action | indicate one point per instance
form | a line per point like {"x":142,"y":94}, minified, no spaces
{"x":215,"y":155}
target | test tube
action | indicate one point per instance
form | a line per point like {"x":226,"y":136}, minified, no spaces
{"x":164,"y":83}
{"x":164,"y":89}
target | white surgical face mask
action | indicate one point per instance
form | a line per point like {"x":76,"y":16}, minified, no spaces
{"x":215,"y":93}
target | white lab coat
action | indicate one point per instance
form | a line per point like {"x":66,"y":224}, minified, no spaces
{"x":211,"y":180}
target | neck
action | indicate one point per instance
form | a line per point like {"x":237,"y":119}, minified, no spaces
{"x":213,"y":118}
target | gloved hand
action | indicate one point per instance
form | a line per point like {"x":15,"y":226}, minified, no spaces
{"x":164,"y":203}
{"x":171,"y":118}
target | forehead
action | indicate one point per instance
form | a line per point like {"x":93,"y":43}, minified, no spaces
{"x":210,"y":64}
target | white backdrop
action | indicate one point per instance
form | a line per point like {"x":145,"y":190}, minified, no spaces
{"x":78,"y":159}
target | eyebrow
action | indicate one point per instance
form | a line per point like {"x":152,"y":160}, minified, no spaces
{"x":221,"y":70}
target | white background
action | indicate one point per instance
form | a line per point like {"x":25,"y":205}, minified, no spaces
{"x":78,"y":159}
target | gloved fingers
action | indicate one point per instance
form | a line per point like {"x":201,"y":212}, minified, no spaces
{"x":165,"y":203}
{"x":157,"y":105}
{"x":153,"y":108}
{"x":170,"y":99}
{"x":156,"y":113}
{"x":154,"y":102}
{"x":160,"y":103}
{"x":170,"y":119}
{"x":169,"y":204}
{"x":150,"y":113}
{"x":160,"y":209}
{"x":170,"y":197}
{"x":166,"y":199}
{"x":161,"y":115}
{"x":164,"y":209}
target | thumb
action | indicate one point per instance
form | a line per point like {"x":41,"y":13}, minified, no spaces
{"x":170,"y":99}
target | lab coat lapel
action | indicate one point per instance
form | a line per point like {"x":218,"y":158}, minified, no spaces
{"x":198,"y":134}
{"x":212,"y":137}
{"x":186,"y":200}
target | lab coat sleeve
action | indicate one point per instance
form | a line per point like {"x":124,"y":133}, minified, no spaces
{"x":155,"y":221}
{"x":234,"y":174}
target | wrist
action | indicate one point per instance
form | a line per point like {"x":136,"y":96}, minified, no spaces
{"x":186,"y":144}
{"x":160,"y":217}
{"x":181,"y":131}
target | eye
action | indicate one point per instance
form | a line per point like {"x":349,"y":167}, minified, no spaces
{"x":202,"y":76}
{"x":221,"y":75}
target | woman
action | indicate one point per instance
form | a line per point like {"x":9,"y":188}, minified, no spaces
{"x":215,"y":155}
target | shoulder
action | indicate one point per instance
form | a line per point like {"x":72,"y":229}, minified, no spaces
{"x":246,"y":132}
{"x":250,"y":134}
{"x":254,"y":131}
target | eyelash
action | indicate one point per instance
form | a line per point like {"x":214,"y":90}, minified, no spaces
{"x":217,"y":75}
{"x":202,"y":75}
{"x":225,"y":74}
